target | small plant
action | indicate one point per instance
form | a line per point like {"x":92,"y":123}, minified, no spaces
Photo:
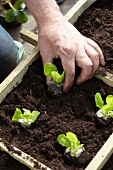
{"x":15,"y":12}
{"x":56,"y":84}
{"x":51,"y":70}
{"x":105,"y":111}
{"x":72,"y":144}
{"x":25,"y":118}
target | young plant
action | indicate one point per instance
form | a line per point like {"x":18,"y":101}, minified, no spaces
{"x":15,"y":12}
{"x":51,"y":70}
{"x":72,"y":144}
{"x":105,"y":109}
{"x":56,"y":85}
{"x":105,"y":113}
{"x":25,"y":118}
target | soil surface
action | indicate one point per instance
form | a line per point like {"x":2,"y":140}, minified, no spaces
{"x":73,"y":111}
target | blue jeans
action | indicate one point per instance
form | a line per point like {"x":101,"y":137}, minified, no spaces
{"x":9,"y":57}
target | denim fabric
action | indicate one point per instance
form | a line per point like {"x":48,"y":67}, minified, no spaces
{"x":9,"y":57}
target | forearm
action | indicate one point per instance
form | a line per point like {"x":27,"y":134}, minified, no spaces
{"x":43,"y":10}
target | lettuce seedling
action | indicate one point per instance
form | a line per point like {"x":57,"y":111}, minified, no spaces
{"x":106,"y":109}
{"x":51,"y":70}
{"x":72,"y":144}
{"x":56,"y":84}
{"x":105,"y":112}
{"x":25,"y":118}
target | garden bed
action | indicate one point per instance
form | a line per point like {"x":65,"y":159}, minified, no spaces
{"x":73,"y":111}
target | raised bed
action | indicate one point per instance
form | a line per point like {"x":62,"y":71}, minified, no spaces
{"x":74,"y":111}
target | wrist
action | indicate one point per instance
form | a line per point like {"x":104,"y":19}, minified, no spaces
{"x":48,"y":18}
{"x":44,"y":11}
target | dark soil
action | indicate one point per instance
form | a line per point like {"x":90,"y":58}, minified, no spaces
{"x":73,"y":111}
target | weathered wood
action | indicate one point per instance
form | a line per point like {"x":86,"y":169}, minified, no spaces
{"x":77,"y":10}
{"x":29,"y":37}
{"x":23,"y":157}
{"x":67,"y":5}
{"x":102,"y":156}
{"x":107,"y":78}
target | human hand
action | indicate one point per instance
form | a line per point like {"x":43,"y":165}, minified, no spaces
{"x":60,"y":39}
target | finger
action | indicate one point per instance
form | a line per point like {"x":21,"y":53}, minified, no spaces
{"x":69,"y":67}
{"x":97,"y":48}
{"x":47,"y":59}
{"x":68,"y":63}
{"x":86,"y":64}
{"x":94,"y":56}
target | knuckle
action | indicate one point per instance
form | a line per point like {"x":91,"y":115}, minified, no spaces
{"x":66,"y":49}
{"x":96,"y":57}
{"x":89,"y":65}
{"x":71,"y":73}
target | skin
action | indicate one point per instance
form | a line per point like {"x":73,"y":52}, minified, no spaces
{"x":60,"y":39}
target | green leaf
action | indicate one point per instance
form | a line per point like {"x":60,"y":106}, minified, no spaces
{"x":19,"y":5}
{"x":57,"y":77}
{"x":26,"y":111}
{"x":35,"y":114}
{"x":10,"y":15}
{"x":21,"y":17}
{"x":64,"y":141}
{"x":72,"y":137}
{"x":106,"y":108}
{"x":62,"y":77}
{"x":98,"y":100}
{"x":110,"y":114}
{"x":26,"y":116}
{"x":75,"y":143}
{"x":17,"y":115}
{"x":109,"y":100}
{"x":48,"y":68}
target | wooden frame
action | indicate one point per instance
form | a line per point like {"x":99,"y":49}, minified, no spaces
{"x":17,"y":74}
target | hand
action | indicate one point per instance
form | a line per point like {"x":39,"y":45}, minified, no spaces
{"x":59,"y":38}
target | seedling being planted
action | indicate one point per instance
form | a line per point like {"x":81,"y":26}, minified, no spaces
{"x":56,"y":84}
{"x":72,"y":144}
{"x":25,"y":118}
{"x":105,"y":113}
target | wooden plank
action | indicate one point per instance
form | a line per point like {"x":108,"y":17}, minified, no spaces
{"x":22,"y":157}
{"x":67,"y":5}
{"x":107,"y":78}
{"x":29,"y":37}
{"x":77,"y":10}
{"x":102,"y":156}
